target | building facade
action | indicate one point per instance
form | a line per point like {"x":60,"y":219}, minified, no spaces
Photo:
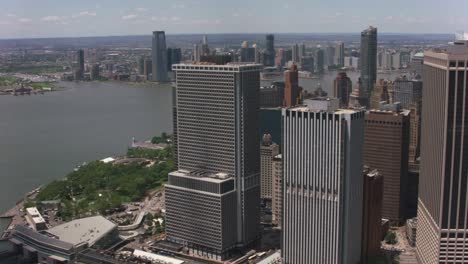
{"x":342,"y":88}
{"x":159,"y":54}
{"x":372,"y":214}
{"x":291,"y":89}
{"x":442,"y":233}
{"x":270,"y":50}
{"x":218,"y":177}
{"x":381,"y":93}
{"x":277,"y":192}
{"x":320,"y":59}
{"x":368,"y":60}
{"x":81,"y":64}
{"x":339,"y":54}
{"x":323,"y":183}
{"x":386,"y":149}
{"x":268,"y":150}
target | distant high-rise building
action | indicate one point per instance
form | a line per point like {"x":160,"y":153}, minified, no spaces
{"x":302,"y":51}
{"x":196,"y":53}
{"x":277,"y":192}
{"x":159,"y":53}
{"x":329,"y":55}
{"x":141,"y":65}
{"x":270,"y":50}
{"x":416,"y":66}
{"x":409,"y":94}
{"x":295,"y":53}
{"x":396,"y":60}
{"x":342,"y":88}
{"x":356,"y":99}
{"x":386,"y":149}
{"x":323,"y":183}
{"x":319,"y":58}
{"x":291,"y":90}
{"x":381,"y":92}
{"x":307,"y":64}
{"x":81,"y":64}
{"x":247,"y":54}
{"x":148,"y":70}
{"x":95,"y":73}
{"x":219,"y":59}
{"x":368,"y":60}
{"x":372,"y":215}
{"x":174,"y":56}
{"x":339,"y":54}
{"x":213,"y":200}
{"x":268,"y":150}
{"x":272,"y":96}
{"x":442,"y":234}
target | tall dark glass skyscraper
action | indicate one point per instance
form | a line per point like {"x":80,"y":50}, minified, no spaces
{"x":320,"y":59}
{"x":442,"y":235}
{"x":159,"y":53}
{"x":81,"y":67}
{"x":213,"y":199}
{"x":368,"y":61}
{"x":270,"y":50}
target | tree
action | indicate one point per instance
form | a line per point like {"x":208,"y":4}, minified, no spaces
{"x":391,"y":238}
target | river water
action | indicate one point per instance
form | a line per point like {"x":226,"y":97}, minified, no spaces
{"x":43,"y":137}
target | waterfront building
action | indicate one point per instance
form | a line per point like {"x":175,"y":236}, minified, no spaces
{"x":323,"y":183}
{"x":339,"y":54}
{"x":319,"y":58}
{"x":141,"y":65}
{"x":295,"y":53}
{"x":148,"y":70}
{"x":213,"y":199}
{"x":174,"y":55}
{"x":268,"y":150}
{"x":330,"y":55}
{"x":270,"y":50}
{"x":159,"y":53}
{"x":386,"y":149}
{"x":81,"y":64}
{"x":291,"y":90}
{"x":368,"y":60}
{"x":307,"y":63}
{"x":277,"y":192}
{"x":342,"y":88}
{"x":95,"y":72}
{"x":372,"y":214}
{"x":442,"y":233}
{"x":35,"y":219}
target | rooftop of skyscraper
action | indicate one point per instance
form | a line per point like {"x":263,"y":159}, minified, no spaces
{"x":322,"y":104}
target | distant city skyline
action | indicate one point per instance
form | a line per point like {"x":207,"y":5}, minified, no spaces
{"x":55,"y":18}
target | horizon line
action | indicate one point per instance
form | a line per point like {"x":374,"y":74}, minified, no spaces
{"x":233,"y":33}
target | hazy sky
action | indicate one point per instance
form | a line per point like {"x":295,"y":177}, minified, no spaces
{"x":52,"y":18}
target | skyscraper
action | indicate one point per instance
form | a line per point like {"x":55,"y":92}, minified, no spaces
{"x":159,"y":53}
{"x":295,"y":53}
{"x":277,"y":193}
{"x":270,"y":50}
{"x":268,"y":150}
{"x":368,"y":60}
{"x":380,"y":93}
{"x":330,"y":55}
{"x":247,"y":54}
{"x":372,"y":214}
{"x":319,"y":58}
{"x":339,"y":54}
{"x":291,"y":89}
{"x":212,"y":201}
{"x":148,"y":69}
{"x":174,"y":55}
{"x":307,"y":64}
{"x":442,"y":235}
{"x":323,"y":183}
{"x":141,"y":65}
{"x":81,"y":66}
{"x":386,"y":149}
{"x":342,"y":88}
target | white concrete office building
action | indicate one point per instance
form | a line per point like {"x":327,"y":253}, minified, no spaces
{"x":323,"y":185}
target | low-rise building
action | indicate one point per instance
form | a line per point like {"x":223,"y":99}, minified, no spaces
{"x":411,"y":227}
{"x":35,"y":219}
